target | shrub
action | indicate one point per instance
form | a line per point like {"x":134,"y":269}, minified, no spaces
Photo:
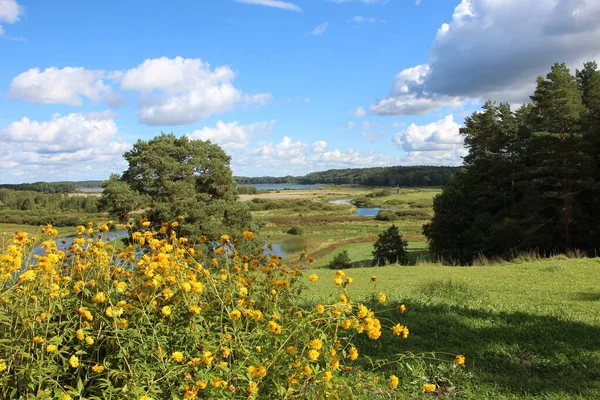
{"x":363,"y":202}
{"x":386,"y":215}
{"x":390,"y":248}
{"x":162,"y":318}
{"x":295,"y":230}
{"x":340,"y":261}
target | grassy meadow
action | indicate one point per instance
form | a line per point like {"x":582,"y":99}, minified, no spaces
{"x":529,"y":329}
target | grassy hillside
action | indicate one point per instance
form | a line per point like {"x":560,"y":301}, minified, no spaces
{"x":528,"y":329}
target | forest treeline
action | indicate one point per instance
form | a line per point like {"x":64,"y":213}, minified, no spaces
{"x":531,"y":180}
{"x":404,"y":176}
{"x":35,"y":208}
{"x":42,"y":187}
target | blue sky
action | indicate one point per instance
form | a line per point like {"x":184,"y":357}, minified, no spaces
{"x":285,"y":87}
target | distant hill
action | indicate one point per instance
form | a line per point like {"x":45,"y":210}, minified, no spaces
{"x":377,"y":176}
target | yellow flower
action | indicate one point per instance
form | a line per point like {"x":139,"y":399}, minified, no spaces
{"x":38,"y":339}
{"x":257,"y":372}
{"x":3,"y":366}
{"x":328,"y":376}
{"x":429,"y":387}
{"x":316,"y":344}
{"x":225,"y":239}
{"x":89,"y":340}
{"x":51,"y":347}
{"x":353,"y":353}
{"x":201,"y":385}
{"x":343,"y":299}
{"x":235,"y":314}
{"x":166,"y":311}
{"x":146,"y":398}
{"x":320,"y":309}
{"x":98,"y":368}
{"x":382,"y":297}
{"x":274,"y":327}
{"x":459,"y":360}
{"x":338,"y":281}
{"x":248,"y":235}
{"x":226,"y":352}
{"x":80,"y":335}
{"x":113,"y":312}
{"x":397,"y":329}
{"x":103,"y":228}
{"x":252,"y":386}
{"x":313,"y":277}
{"x":177,"y":356}
{"x":74,"y":361}
{"x":208,"y":357}
{"x":291,"y":350}
{"x":401,"y":308}
{"x":393,"y":384}
{"x":313,"y":355}
{"x":66,"y":397}
{"x":373,"y":278}
{"x":194,"y":309}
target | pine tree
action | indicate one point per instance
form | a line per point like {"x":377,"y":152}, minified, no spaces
{"x":390,"y":248}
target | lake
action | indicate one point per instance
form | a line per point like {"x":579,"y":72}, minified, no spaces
{"x":360,"y":212}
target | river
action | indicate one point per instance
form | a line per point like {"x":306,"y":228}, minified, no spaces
{"x":360,"y":212}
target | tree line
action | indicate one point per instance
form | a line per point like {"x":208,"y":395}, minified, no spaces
{"x":42,"y":187}
{"x":531,"y":179}
{"x":404,"y":176}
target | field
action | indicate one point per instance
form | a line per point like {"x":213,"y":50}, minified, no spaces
{"x":528,"y":329}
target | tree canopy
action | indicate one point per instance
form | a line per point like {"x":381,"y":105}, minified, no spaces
{"x":170,"y":177}
{"x":531,"y":177}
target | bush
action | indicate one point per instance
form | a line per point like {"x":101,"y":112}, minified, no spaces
{"x":363,"y":202}
{"x":390,"y":248}
{"x":381,"y":193}
{"x":164,"y":318}
{"x":295,"y":230}
{"x":340,"y":261}
{"x":386,"y":215}
{"x":247,"y":190}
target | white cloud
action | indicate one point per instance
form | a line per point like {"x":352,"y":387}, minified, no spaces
{"x":368,"y":124}
{"x":319,"y":29}
{"x":360,"y":1}
{"x":495,"y":49}
{"x":61,"y":148}
{"x":350,"y":125}
{"x":232,"y":135}
{"x":319,"y":147}
{"x":69,"y":133}
{"x":59,"y":86}
{"x":272,"y":3}
{"x":359,"y":19}
{"x":10,"y":12}
{"x":359,"y":112}
{"x":188,"y":89}
{"x":295,"y":157}
{"x":434,"y":143}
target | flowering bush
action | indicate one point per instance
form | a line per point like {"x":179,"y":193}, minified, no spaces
{"x":162,"y":319}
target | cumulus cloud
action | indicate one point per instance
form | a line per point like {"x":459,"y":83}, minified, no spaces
{"x":285,"y":5}
{"x":359,"y":112}
{"x":62,"y":147}
{"x":173,"y":91}
{"x":296,"y":157}
{"x":495,"y":49}
{"x":437,"y":142}
{"x":232,"y":135}
{"x":319,"y":29}
{"x":10,"y":12}
{"x":59,"y":86}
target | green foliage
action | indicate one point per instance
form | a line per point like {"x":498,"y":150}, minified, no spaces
{"x":390,"y":248}
{"x":246,"y":190}
{"x":386,"y":215}
{"x":531,"y":179}
{"x":170,"y":177}
{"x":340,"y":261}
{"x":42,"y":187}
{"x":295,"y":230}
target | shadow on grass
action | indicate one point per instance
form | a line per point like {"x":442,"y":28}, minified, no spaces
{"x":586,"y":296}
{"x":512,"y":353}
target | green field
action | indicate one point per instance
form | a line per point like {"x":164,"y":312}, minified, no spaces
{"x":9,"y":229}
{"x":528,"y":330}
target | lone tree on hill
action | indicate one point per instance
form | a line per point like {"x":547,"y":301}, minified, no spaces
{"x":170,"y":177}
{"x":390,"y":248}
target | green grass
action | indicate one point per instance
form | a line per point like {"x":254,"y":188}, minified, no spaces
{"x":528,"y":330}
{"x":361,"y":254}
{"x":9,"y":229}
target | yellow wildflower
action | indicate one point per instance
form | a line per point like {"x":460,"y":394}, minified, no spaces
{"x":291,"y":350}
{"x":274,"y":327}
{"x":382,"y":297}
{"x":38,"y":339}
{"x":51,"y":347}
{"x":459,"y":360}
{"x":313,"y":277}
{"x":201,"y":385}
{"x":429,"y":387}
{"x":225,"y":239}
{"x":393,"y":384}
{"x":327,"y":377}
{"x":99,"y":298}
{"x":166,"y":311}
{"x":235,"y":314}
{"x":177,"y":356}
{"x":98,"y":368}
{"x":401,"y":308}
{"x":252,"y":386}
{"x":248,"y":235}
{"x":313,"y":355}
{"x":316,"y":344}
{"x":353,"y":353}
{"x":3,"y":366}
{"x":89,"y":340}
{"x":74,"y":361}
{"x":320,"y":309}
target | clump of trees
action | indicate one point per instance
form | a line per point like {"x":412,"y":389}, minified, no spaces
{"x":532,"y":176}
{"x":390,"y":248}
{"x":340,"y":261}
{"x":170,"y":177}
